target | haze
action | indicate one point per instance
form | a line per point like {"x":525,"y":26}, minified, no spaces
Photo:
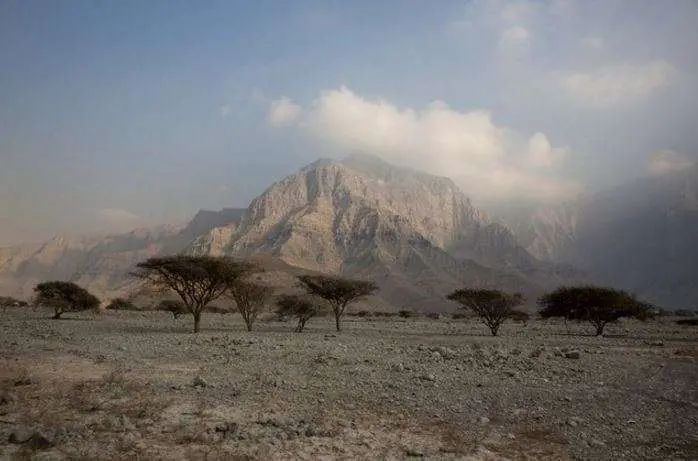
{"x":115,"y":115}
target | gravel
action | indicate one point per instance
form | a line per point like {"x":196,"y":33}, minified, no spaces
{"x":123,"y":385}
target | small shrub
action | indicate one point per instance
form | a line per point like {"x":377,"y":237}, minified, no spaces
{"x":433,"y":316}
{"x":173,"y":306}
{"x":121,"y":304}
{"x":405,"y":314}
{"x":520,"y":316}
{"x":688,"y":322}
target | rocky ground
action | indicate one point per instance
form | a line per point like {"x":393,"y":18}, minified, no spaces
{"x":131,"y":385}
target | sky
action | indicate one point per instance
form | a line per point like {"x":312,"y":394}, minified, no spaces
{"x":116,"y":115}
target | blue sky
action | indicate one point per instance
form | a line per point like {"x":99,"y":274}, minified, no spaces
{"x":121,"y":114}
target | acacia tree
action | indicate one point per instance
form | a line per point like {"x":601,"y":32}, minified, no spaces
{"x":337,"y":291}
{"x":493,"y":307}
{"x":297,"y":306}
{"x":198,"y":280}
{"x":596,"y":305}
{"x":250,"y":299}
{"x":64,"y":297}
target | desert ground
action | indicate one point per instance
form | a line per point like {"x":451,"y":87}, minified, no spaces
{"x":140,"y":385}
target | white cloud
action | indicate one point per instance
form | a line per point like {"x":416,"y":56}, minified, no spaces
{"x":617,"y":84}
{"x":117,"y":216}
{"x":225,"y":111}
{"x":488,"y":160}
{"x":666,"y":161}
{"x":541,"y":154}
{"x":283,"y":111}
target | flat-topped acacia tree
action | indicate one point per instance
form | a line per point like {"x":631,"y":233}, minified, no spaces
{"x":337,"y":291}
{"x":198,"y":280}
{"x":64,"y":297}
{"x":596,"y":305}
{"x":493,"y":307}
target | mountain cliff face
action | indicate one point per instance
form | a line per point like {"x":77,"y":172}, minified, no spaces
{"x":640,"y":236}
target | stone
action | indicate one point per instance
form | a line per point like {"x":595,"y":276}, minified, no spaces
{"x":200,"y":382}
{"x":428,"y":377}
{"x":20,"y":435}
{"x":39,"y":441}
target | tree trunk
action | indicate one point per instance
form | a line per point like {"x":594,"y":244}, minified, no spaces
{"x":248,"y":323}
{"x":337,"y":317}
{"x":197,"y":321}
{"x":599,"y":328}
{"x":494,"y":329}
{"x":57,"y":314}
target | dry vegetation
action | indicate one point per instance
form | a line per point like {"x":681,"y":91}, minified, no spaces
{"x":138,"y":385}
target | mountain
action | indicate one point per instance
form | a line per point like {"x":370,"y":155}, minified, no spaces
{"x":639,"y":236}
{"x":415,"y":234}
{"x":99,"y":263}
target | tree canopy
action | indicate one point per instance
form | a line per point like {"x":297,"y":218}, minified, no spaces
{"x":337,"y":291}
{"x":64,"y":297}
{"x":493,"y":307}
{"x":596,"y":305}
{"x":198,"y":280}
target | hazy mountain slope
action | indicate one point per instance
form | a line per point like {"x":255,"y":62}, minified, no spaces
{"x":640,"y":236}
{"x":101,"y":263}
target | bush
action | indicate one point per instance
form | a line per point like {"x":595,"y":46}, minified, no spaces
{"x":405,"y":314}
{"x":120,"y":304}
{"x":9,"y":301}
{"x":173,"y":306}
{"x":520,"y":316}
{"x":689,"y":322}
